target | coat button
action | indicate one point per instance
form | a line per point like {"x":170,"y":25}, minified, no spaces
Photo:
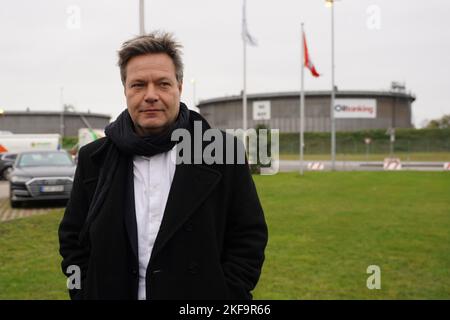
{"x":188,"y":227}
{"x":156,"y":271}
{"x":134,"y":272}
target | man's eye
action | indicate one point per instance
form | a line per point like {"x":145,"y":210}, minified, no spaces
{"x":134,"y":85}
{"x":165,"y":84}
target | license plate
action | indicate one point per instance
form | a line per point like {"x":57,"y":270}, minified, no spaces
{"x":52,"y":188}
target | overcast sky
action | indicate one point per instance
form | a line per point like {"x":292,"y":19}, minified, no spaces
{"x":45,"y":46}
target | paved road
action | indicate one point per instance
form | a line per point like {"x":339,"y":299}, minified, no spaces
{"x":293,"y":165}
{"x":7,"y":213}
{"x":4,"y":189}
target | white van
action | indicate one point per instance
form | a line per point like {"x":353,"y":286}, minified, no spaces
{"x":15,"y":143}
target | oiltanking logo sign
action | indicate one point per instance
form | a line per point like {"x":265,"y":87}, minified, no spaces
{"x":355,"y":108}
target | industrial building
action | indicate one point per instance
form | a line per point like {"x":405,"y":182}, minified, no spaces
{"x":66,"y":122}
{"x":354,"y":110}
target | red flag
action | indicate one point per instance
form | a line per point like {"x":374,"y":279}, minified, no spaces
{"x":308,"y":62}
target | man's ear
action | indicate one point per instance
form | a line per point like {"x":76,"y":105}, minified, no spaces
{"x":180,"y":86}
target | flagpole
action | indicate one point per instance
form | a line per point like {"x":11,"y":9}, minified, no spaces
{"x":302,"y":100}
{"x":244,"y":91}
{"x":141,"y":17}
{"x":332,"y":118}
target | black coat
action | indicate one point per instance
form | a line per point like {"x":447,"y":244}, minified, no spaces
{"x":210,"y":244}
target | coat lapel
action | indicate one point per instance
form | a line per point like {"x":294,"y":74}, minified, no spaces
{"x":191,"y":185}
{"x":130,"y":210}
{"x":130,"y":214}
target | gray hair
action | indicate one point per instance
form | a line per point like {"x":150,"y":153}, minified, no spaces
{"x":155,"y":42}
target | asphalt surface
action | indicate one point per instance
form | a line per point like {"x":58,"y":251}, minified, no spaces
{"x":294,"y":165}
{"x":4,"y":189}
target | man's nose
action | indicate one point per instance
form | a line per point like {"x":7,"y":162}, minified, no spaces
{"x":151,"y":95}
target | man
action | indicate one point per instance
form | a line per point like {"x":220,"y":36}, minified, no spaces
{"x":140,"y":226}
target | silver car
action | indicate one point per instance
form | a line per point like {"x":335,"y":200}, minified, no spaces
{"x":41,"y":175}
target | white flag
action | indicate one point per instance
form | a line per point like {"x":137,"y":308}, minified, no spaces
{"x":245,"y":34}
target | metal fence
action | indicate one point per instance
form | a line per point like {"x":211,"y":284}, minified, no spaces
{"x":353,"y":149}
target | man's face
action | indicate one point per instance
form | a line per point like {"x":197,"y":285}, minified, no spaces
{"x":152,"y":92}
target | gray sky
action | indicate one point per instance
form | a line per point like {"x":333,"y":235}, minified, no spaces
{"x":45,"y":47}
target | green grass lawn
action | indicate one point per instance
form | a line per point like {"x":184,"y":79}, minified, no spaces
{"x":404,"y":156}
{"x":325,"y":229}
{"x":29,"y":258}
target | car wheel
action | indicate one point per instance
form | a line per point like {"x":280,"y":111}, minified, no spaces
{"x":7,"y":173}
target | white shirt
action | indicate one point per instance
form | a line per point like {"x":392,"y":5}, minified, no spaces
{"x":152,"y":180}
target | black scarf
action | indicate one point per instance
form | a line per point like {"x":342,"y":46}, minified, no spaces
{"x":128,"y":142}
{"x":123,"y":143}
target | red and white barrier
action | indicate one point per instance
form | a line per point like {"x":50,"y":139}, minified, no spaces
{"x":447,"y":166}
{"x":316,"y":166}
{"x":392,"y":164}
